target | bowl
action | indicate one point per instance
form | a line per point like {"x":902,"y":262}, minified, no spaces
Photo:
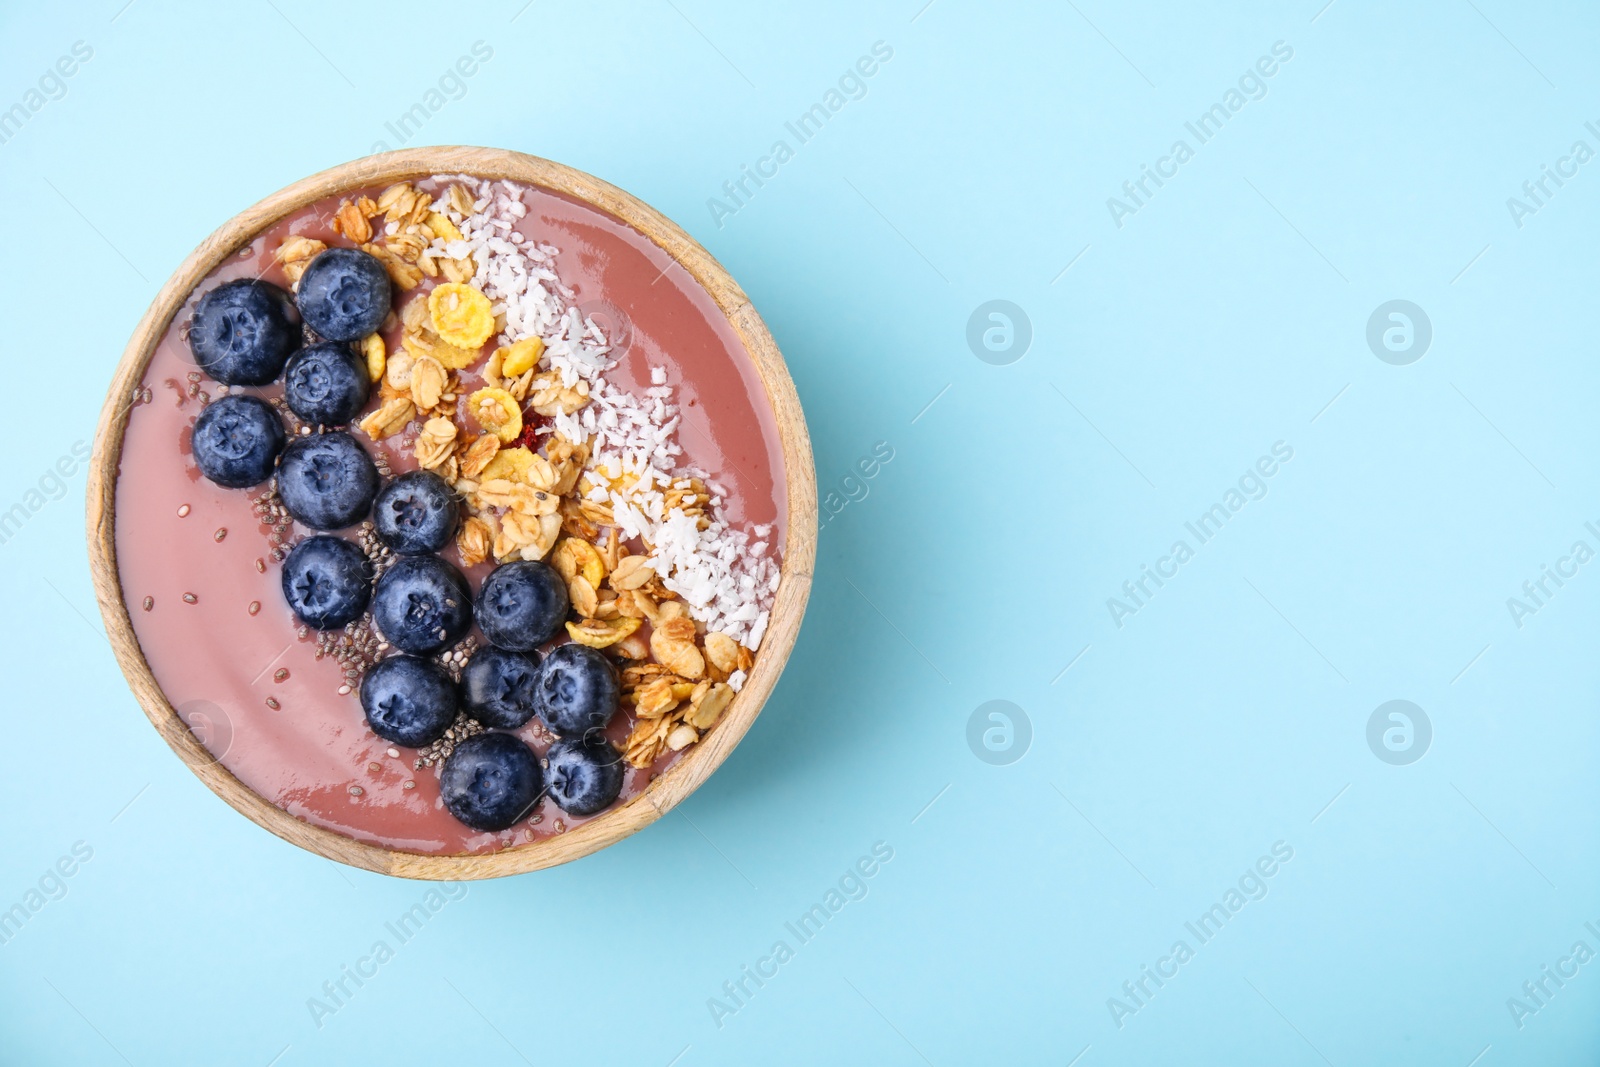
{"x":697,"y":763}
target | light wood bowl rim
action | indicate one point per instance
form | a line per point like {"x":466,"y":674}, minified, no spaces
{"x":695,"y":766}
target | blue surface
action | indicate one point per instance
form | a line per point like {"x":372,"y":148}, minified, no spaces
{"x":1225,"y":716}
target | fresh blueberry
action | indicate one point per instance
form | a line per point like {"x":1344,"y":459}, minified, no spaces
{"x":327,"y":481}
{"x":491,"y":781}
{"x":577,"y":691}
{"x":236,"y":441}
{"x":344,"y":294}
{"x":584,"y":776}
{"x":326,"y":384}
{"x":522,"y":605}
{"x":408,"y":700}
{"x":416,"y":513}
{"x":422,"y":604}
{"x":497,"y":686}
{"x":242,"y":332}
{"x":327,"y":581}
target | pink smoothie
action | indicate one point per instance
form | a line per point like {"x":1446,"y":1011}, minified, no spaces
{"x":220,"y":664}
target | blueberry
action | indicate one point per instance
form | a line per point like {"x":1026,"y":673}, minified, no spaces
{"x":522,"y":605}
{"x":327,"y":481}
{"x":422,"y":604}
{"x":327,"y":581}
{"x":344,"y":294}
{"x":416,"y":513}
{"x":408,"y":700}
{"x":326,"y":384}
{"x":585,"y":776}
{"x":236,"y":440}
{"x":497,"y":687}
{"x":491,"y":781}
{"x":242,"y":332}
{"x":577,"y":691}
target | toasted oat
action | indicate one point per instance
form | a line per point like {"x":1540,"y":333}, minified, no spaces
{"x":583,"y":598}
{"x":474,"y":541}
{"x":706,"y":707}
{"x":436,"y":443}
{"x":404,"y":275}
{"x":478,"y":454}
{"x":644,"y":744}
{"x":460,"y":271}
{"x":631,"y":573}
{"x":428,"y":382}
{"x":389,"y":419}
{"x":459,"y":200}
{"x":548,"y":396}
{"x":296,"y":254}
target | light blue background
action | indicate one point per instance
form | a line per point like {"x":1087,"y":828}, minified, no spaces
{"x":1228,"y":714}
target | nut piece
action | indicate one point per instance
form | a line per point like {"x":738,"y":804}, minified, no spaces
{"x":462,"y":315}
{"x":351,"y":223}
{"x":632,"y":647}
{"x":516,"y":360}
{"x":547,"y":396}
{"x":682,"y":736}
{"x":722,"y":651}
{"x":601,"y":633}
{"x":389,"y":419}
{"x":672,"y":643}
{"x":376,"y":355}
{"x":442,"y":227}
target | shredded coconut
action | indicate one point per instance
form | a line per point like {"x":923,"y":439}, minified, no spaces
{"x":727,"y":577}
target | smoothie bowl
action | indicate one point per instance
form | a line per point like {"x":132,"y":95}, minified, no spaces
{"x":452,"y":513}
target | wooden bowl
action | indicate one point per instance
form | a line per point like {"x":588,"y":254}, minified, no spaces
{"x":696,"y":764}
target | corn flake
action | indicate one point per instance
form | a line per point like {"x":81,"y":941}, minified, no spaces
{"x":462,"y":315}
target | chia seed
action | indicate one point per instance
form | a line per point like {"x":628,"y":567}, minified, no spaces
{"x":255,"y":606}
{"x":280,"y":674}
{"x":190,"y":598}
{"x":272,"y":702}
{"x":183,"y":511}
{"x":149,"y":602}
{"x":355,"y":649}
{"x":222,"y":531}
{"x":440,"y":750}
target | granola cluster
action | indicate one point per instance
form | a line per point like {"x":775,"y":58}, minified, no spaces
{"x":518,"y":452}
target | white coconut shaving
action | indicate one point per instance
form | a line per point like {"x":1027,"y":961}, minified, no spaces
{"x":726,"y":576}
